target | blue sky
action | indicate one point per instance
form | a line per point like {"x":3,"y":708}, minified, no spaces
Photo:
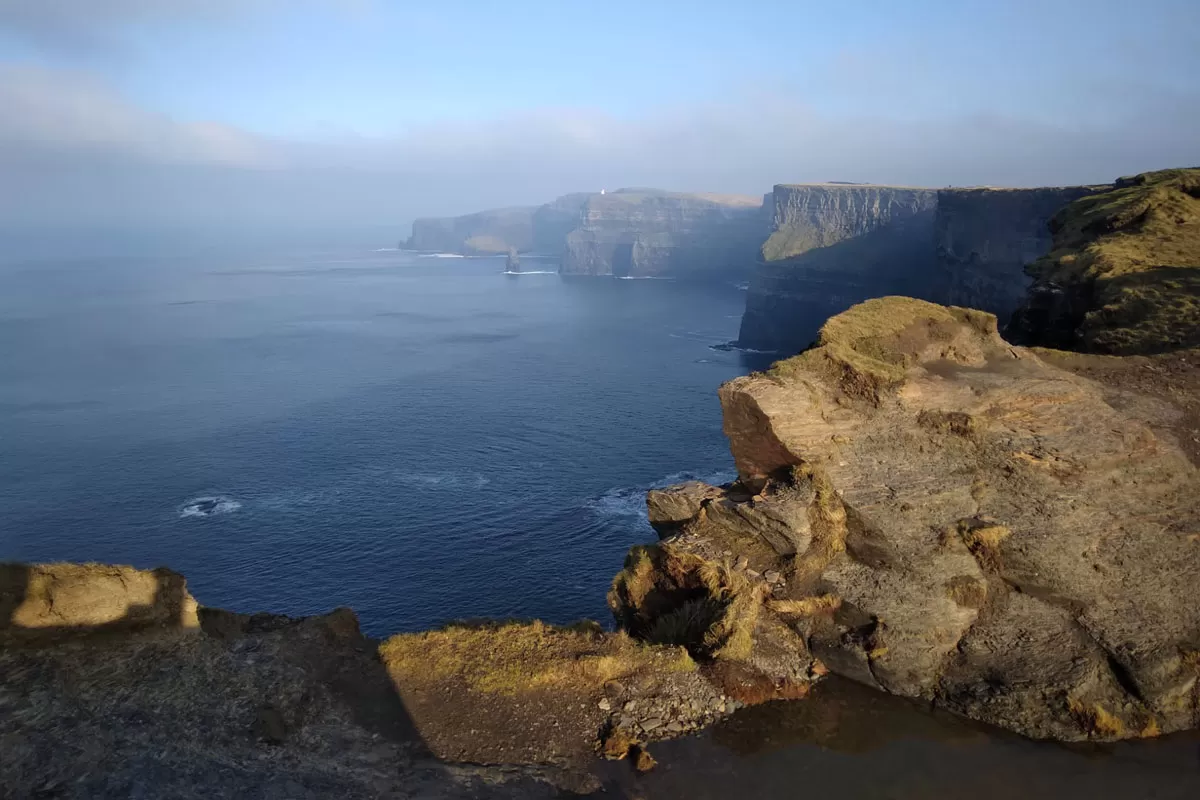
{"x":437,"y":107}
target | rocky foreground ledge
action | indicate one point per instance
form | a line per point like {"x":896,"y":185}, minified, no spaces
{"x":115,"y":682}
{"x":928,"y":510}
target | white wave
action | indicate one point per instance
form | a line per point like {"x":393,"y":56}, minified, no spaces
{"x":386,"y":250}
{"x":533,"y":272}
{"x":441,"y":255}
{"x":209,"y":506}
{"x":643,"y":278}
{"x":731,"y":346}
{"x":441,"y":480}
{"x":628,"y":503}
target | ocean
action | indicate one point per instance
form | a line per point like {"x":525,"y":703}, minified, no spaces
{"x":419,"y":438}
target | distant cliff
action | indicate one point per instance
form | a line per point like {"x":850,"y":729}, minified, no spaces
{"x":646,"y":233}
{"x":834,"y":245}
{"x":626,"y":233}
{"x":985,"y":237}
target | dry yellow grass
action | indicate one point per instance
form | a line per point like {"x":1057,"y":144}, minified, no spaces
{"x":514,"y":657}
{"x":665,"y":597}
{"x":1095,"y":719}
{"x":806,"y":607}
{"x":869,"y":347}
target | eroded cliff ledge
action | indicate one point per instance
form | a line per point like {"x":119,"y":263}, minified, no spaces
{"x":834,"y":245}
{"x":933,"y":512}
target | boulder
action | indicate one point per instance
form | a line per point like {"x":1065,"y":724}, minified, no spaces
{"x":38,"y":601}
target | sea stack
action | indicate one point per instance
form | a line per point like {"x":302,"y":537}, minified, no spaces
{"x":513,"y":262}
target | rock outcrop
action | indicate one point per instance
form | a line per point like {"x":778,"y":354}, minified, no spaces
{"x":928,"y":510}
{"x":647,"y":233}
{"x":63,"y":600}
{"x":1124,"y":275}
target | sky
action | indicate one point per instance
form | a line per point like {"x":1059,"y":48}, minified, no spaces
{"x":215,"y":114}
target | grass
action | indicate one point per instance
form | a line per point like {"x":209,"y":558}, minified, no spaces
{"x":868,"y":348}
{"x":808,"y":606}
{"x":1096,"y":719}
{"x":1133,"y":254}
{"x":668,"y":598}
{"x":983,"y":540}
{"x":967,"y":591}
{"x":510,"y":658}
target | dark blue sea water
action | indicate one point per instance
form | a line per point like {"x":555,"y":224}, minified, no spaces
{"x":418,"y":438}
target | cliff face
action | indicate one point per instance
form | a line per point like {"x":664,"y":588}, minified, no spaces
{"x":832,"y":246}
{"x":638,"y":233}
{"x":484,"y":233}
{"x":836,"y":245}
{"x":930,"y":511}
{"x":1124,"y":274}
{"x":986,"y":237}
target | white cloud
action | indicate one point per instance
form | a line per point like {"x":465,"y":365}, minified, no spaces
{"x":72,"y":148}
{"x":72,"y":113}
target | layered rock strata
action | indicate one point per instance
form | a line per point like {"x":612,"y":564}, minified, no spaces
{"x":834,"y":245}
{"x":646,"y":233}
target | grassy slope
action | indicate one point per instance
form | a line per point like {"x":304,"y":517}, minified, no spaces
{"x":1137,"y":249}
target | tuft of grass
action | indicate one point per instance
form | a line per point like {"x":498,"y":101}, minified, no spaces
{"x":1095,"y":719}
{"x":669,"y":598}
{"x":806,"y":607}
{"x":983,"y":539}
{"x":967,"y":591}
{"x":511,"y":658}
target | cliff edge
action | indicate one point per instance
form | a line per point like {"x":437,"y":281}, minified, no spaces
{"x":1124,"y":273}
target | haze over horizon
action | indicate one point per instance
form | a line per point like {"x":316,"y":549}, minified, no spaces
{"x":354,"y":113}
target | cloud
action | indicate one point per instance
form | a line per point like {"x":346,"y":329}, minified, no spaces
{"x":73,"y":149}
{"x":71,"y":113}
{"x":88,"y":28}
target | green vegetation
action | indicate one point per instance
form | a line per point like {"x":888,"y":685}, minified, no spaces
{"x":1133,"y":254}
{"x":790,"y":242}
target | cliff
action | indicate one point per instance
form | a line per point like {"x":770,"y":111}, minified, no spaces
{"x":646,"y":233}
{"x":1124,"y":274}
{"x":834,"y":245}
{"x":986,"y":237}
{"x":491,"y":232}
{"x":831,"y":246}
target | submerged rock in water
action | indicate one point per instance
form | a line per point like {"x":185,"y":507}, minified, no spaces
{"x":951,"y":518}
